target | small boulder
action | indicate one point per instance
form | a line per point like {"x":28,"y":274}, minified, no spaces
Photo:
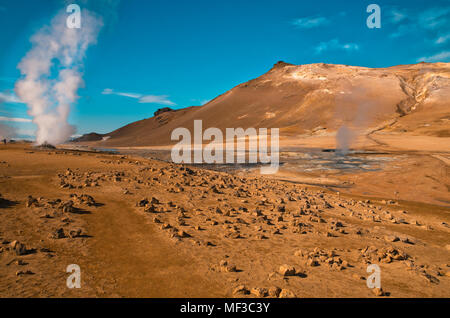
{"x":378,"y":292}
{"x":241,"y":290}
{"x":274,"y":291}
{"x":75,"y":233}
{"x":286,"y":293}
{"x":259,"y":292}
{"x":312,"y":262}
{"x":182,"y":234}
{"x":18,"y":248}
{"x":286,"y":270}
{"x":391,"y":238}
{"x":31,"y":201}
{"x":59,"y":234}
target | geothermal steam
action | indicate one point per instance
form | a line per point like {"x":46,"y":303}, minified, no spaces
{"x":344,"y":138}
{"x":354,"y":109}
{"x":51,"y":74}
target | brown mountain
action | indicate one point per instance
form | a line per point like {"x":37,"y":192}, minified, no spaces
{"x":315,"y":99}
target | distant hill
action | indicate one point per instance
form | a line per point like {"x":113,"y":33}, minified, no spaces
{"x":307,"y":99}
{"x":89,"y":137}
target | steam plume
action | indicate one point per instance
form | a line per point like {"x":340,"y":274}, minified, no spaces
{"x":344,"y":138}
{"x":51,"y":73}
{"x":354,"y":109}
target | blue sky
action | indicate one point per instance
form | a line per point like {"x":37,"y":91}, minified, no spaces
{"x":152,"y":54}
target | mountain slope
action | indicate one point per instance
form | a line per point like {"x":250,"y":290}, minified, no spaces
{"x":315,"y":98}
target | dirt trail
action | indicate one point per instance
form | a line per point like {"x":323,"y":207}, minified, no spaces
{"x":128,"y":256}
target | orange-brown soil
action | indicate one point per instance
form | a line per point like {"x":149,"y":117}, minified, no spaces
{"x":146,"y":228}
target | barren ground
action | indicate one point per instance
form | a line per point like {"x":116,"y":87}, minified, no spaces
{"x":146,"y":228}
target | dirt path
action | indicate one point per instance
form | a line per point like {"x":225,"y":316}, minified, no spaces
{"x":129,"y":259}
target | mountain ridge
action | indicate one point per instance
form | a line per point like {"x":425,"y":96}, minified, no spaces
{"x":298,"y":99}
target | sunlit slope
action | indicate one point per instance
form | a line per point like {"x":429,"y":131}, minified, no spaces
{"x":316,"y":99}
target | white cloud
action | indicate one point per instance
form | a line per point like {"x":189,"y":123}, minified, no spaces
{"x":442,"y":39}
{"x":15,"y":119}
{"x":107,"y":91}
{"x":153,"y":99}
{"x":131,"y":95}
{"x":396,"y":16}
{"x":143,"y":99}
{"x":440,"y":57}
{"x":9,"y":98}
{"x":310,"y":22}
{"x":335,"y":44}
{"x":435,"y":18}
{"x":411,"y":22}
{"x":401,"y":30}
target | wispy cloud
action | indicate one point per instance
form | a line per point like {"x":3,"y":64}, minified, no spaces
{"x":310,"y":22}
{"x":439,"y":57}
{"x":15,"y":119}
{"x":335,"y":44}
{"x":407,"y":21}
{"x":435,"y":18}
{"x":143,"y":99}
{"x":442,"y":39}
{"x":401,"y":31}
{"x":155,"y":99}
{"x":396,"y":16}
{"x":7,"y":97}
{"x":109,"y":91}
{"x":432,"y":24}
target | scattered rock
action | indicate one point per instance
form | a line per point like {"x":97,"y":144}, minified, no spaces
{"x":259,"y":292}
{"x":183,"y":234}
{"x":274,"y":291}
{"x":224,"y":267}
{"x":75,"y":233}
{"x":391,"y":238}
{"x":312,"y":262}
{"x":378,"y":292}
{"x":31,"y":201}
{"x":142,"y":203}
{"x":286,"y":270}
{"x":58,"y":234}
{"x":68,"y":207}
{"x":20,"y":273}
{"x":18,"y":248}
{"x":241,"y":290}
{"x":165,"y":226}
{"x":286,"y":293}
{"x":359,"y":277}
